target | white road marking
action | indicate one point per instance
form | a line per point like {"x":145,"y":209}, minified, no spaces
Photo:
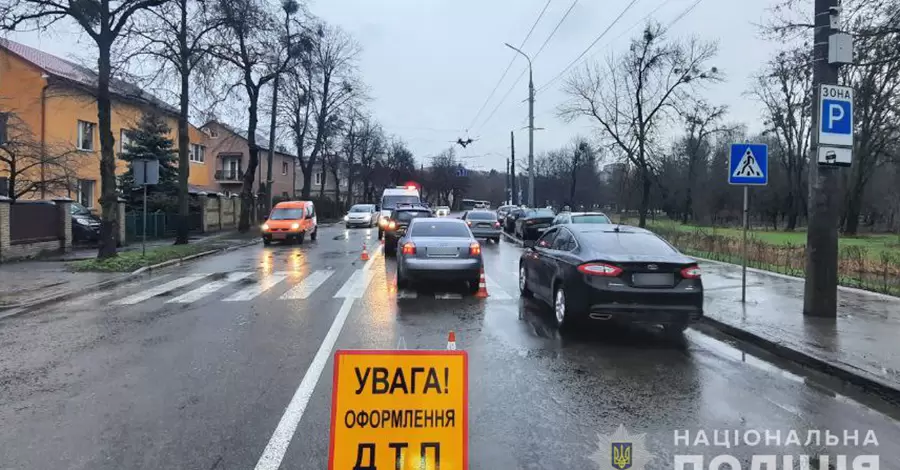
{"x":160,"y":289}
{"x":494,"y":290}
{"x":206,"y":289}
{"x":287,"y":426}
{"x":251,"y":292}
{"x":308,"y":285}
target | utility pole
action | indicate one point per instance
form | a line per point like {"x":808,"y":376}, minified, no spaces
{"x":530,"y":127}
{"x":508,"y":193}
{"x":512,"y":151}
{"x":820,"y":289}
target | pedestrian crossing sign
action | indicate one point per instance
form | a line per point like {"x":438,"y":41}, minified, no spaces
{"x":749,"y":164}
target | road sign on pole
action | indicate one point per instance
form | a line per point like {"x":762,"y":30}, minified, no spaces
{"x":835,"y":126}
{"x":748,"y":166}
{"x":145,"y":173}
{"x":461,"y":171}
{"x":399,"y":409}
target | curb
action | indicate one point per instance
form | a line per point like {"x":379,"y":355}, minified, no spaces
{"x":860,"y":379}
{"x":512,"y":239}
{"x":20,"y":308}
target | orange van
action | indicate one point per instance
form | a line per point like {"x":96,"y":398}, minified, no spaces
{"x":290,"y":221}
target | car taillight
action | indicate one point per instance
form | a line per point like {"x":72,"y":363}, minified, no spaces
{"x":474,"y":249}
{"x":691,"y":272}
{"x":497,"y":224}
{"x":600,"y":269}
{"x":408,"y":248}
{"x":391,"y":225}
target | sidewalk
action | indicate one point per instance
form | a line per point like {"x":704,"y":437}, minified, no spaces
{"x":859,"y":346}
{"x":30,"y":281}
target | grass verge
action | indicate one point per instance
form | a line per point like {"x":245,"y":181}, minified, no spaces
{"x":131,"y":260}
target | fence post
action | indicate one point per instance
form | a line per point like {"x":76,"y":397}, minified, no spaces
{"x":221,"y":203}
{"x":63,"y":206}
{"x":202,"y":196}
{"x":4,"y":226}
{"x":122,"y":229}
{"x":236,"y":201}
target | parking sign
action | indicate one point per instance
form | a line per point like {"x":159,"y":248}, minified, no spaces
{"x":836,"y":116}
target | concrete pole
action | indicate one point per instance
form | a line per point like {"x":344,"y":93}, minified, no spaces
{"x":820,"y":289}
{"x":530,"y":137}
{"x":512,"y":152}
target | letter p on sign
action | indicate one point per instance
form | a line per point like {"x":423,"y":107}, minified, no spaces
{"x":836,"y":117}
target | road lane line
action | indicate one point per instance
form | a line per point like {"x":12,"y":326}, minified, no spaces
{"x":206,"y":289}
{"x":251,"y":292}
{"x":308,"y":285}
{"x":160,"y":289}
{"x":287,"y":426}
{"x":494,"y":290}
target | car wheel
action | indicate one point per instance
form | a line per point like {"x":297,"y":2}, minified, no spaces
{"x":390,"y":249}
{"x":267,"y":242}
{"x":562,"y":309}
{"x":497,"y":240}
{"x":315,"y":234}
{"x":380,"y":234}
{"x":402,"y":282}
{"x":674,"y":330}
{"x":301,"y":237}
{"x":473,"y":285}
{"x":523,"y":285}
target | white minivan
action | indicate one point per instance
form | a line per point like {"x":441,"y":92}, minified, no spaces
{"x":390,"y":198}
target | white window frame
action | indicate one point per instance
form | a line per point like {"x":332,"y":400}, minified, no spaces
{"x":123,"y":136}
{"x":284,"y":168}
{"x":89,"y":203}
{"x":318,"y":178}
{"x":81,"y":125}
{"x":197,"y":153}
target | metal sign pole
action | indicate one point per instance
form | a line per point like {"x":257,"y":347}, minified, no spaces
{"x":744,"y":245}
{"x":144,"y":238}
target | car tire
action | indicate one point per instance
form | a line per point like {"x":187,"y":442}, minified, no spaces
{"x":562,"y":309}
{"x":390,"y":249}
{"x":473,"y":285}
{"x":496,"y":240}
{"x":380,"y":234}
{"x":674,"y":331}
{"x":524,"y":291}
{"x":301,"y":237}
{"x":402,"y":282}
{"x":315,"y":234}
{"x":267,"y":242}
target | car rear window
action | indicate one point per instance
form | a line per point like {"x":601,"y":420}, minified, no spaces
{"x":439,"y":229}
{"x":406,"y":216}
{"x":362,"y":208}
{"x":481,"y":216}
{"x":286,"y":214}
{"x":590,"y":219}
{"x":390,"y":202}
{"x":628,"y":243}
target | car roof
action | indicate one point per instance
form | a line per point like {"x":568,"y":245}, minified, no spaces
{"x":485,"y":211}
{"x":443,"y":220}
{"x":576,"y":214}
{"x":292,"y":204}
{"x":604,"y":228}
{"x":411,"y":207}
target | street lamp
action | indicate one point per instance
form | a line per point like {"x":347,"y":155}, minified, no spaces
{"x":530,"y":126}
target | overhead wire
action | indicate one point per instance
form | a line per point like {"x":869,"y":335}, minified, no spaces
{"x":509,"y":66}
{"x":516,"y":82}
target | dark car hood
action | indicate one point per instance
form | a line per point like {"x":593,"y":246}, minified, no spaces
{"x":89,"y":218}
{"x":676,"y":258}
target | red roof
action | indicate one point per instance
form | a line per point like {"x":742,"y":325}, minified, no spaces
{"x":79,"y":74}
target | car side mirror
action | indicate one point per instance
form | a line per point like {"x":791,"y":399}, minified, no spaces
{"x":528,"y":243}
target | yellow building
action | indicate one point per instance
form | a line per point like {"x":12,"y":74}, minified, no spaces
{"x":54,"y":99}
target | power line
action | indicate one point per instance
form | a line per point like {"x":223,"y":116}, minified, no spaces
{"x":683,"y":14}
{"x":516,"y":82}
{"x":585,"y":51}
{"x":511,"y":61}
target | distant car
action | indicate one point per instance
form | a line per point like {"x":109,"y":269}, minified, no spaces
{"x":509,"y":222}
{"x":612,"y":273}
{"x":439,"y":249}
{"x":581,"y":218}
{"x":533,"y":223}
{"x":397,"y":223}
{"x":503,"y":210}
{"x":290,"y":221}
{"x":442,"y":211}
{"x":391,"y":198}
{"x":85,"y":225}
{"x":361,"y":215}
{"x":483,"y":224}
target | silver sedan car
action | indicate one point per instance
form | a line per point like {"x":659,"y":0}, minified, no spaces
{"x":438,"y":249}
{"x":484,"y":224}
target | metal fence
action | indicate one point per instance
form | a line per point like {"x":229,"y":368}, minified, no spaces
{"x":159,"y":225}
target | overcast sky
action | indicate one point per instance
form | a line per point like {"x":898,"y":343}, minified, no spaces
{"x":431,"y":64}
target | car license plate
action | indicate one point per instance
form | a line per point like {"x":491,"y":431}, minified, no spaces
{"x":442,"y":251}
{"x":279,"y":236}
{"x":653,"y":279}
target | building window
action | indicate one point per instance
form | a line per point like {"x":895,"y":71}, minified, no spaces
{"x":318,"y":178}
{"x":198,"y":153}
{"x":85,"y":135}
{"x":125,"y":139}
{"x":284,"y":168}
{"x":4,"y":127}
{"x":86,"y":193}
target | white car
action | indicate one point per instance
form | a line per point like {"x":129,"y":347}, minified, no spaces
{"x":442,"y":211}
{"x":361,"y":215}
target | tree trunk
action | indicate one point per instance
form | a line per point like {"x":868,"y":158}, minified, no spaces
{"x":253,"y":160}
{"x":854,"y":201}
{"x":109,"y":198}
{"x":322,"y":181}
{"x":184,"y":138}
{"x":271,"y":157}
{"x":337,"y":188}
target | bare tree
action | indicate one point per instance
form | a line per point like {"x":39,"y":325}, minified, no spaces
{"x":351,"y":146}
{"x":629,"y":98}
{"x":104,"y":22}
{"x":702,"y":121}
{"x":29,"y":166}
{"x":254,"y":44}
{"x":372,"y":149}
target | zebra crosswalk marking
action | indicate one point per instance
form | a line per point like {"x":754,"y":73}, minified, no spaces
{"x":251,"y":292}
{"x":494,"y":290}
{"x":356,"y":285}
{"x":308,"y":285}
{"x":160,"y":289}
{"x":206,"y":289}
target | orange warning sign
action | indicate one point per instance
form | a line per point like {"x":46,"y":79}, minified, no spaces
{"x":399,"y":410}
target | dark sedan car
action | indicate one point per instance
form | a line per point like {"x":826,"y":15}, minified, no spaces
{"x":509,"y":222}
{"x":533,"y":223}
{"x":439,"y":249}
{"x":398,"y":222}
{"x":612,"y":273}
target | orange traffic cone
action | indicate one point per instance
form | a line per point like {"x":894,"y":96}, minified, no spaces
{"x":365,"y":254}
{"x":482,"y":287}
{"x":451,"y":341}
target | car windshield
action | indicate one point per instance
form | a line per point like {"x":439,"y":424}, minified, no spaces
{"x":628,"y":243}
{"x":406,"y":216}
{"x":286,"y":214}
{"x":590,"y":219}
{"x":390,"y":202}
{"x":362,"y":208}
{"x":481,"y":216}
{"x":78,"y":209}
{"x":439,"y":229}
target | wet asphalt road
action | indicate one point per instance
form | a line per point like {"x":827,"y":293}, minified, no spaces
{"x":192,"y":379}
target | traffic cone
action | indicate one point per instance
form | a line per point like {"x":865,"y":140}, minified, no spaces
{"x":482,"y":287}
{"x":451,"y":341}
{"x":365,"y":254}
